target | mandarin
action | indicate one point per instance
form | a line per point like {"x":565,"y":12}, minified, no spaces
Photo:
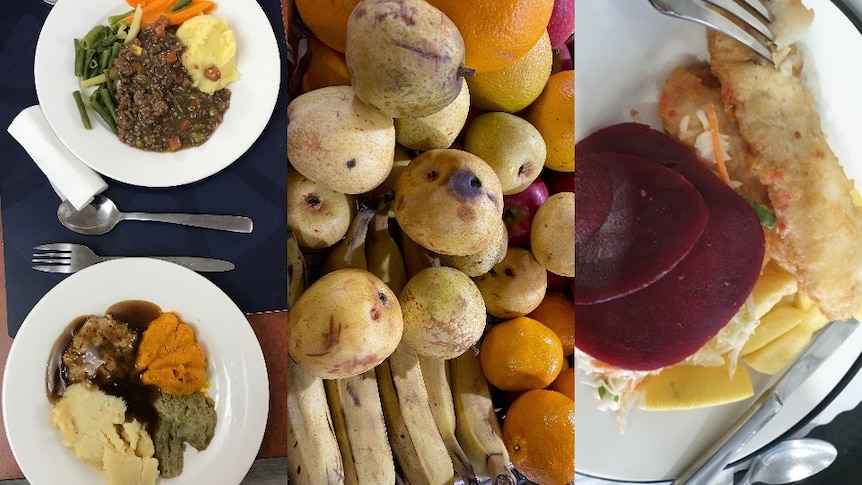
{"x":327,"y":20}
{"x":514,"y":87}
{"x":520,"y":354}
{"x":557,"y":312}
{"x":327,"y":67}
{"x":539,"y":433}
{"x":553,"y":114}
{"x":497,"y":32}
{"x":565,"y":383}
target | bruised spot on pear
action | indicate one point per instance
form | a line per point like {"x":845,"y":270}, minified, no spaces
{"x":465,"y":184}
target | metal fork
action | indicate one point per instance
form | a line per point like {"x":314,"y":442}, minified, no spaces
{"x":69,"y":258}
{"x":725,"y":16}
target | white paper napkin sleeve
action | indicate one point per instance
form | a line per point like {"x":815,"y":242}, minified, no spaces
{"x":71,"y":178}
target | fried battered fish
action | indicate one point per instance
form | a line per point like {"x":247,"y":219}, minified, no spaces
{"x":784,"y":152}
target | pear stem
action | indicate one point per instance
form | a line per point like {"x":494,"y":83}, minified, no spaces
{"x":466,"y":71}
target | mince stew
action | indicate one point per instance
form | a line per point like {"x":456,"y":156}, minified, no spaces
{"x":158,"y":109}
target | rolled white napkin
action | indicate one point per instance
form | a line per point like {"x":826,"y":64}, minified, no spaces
{"x":71,"y":178}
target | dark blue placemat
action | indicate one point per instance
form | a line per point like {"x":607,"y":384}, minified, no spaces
{"x":254,"y":186}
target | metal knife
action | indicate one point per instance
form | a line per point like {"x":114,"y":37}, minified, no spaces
{"x":710,"y":464}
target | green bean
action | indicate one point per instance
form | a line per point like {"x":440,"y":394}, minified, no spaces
{"x":105,"y":94}
{"x":115,"y":19}
{"x":82,"y":110}
{"x":95,"y":80}
{"x":103,"y":113}
{"x":79,"y":58}
{"x":180,"y":4}
{"x":93,"y":36}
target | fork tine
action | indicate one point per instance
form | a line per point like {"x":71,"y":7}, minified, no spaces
{"x":737,"y":10}
{"x":65,"y":268}
{"x":696,"y":11}
{"x":54,"y":247}
{"x":760,"y":8}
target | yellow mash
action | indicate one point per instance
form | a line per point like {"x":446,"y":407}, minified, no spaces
{"x":210,"y":55}
{"x":94,"y":427}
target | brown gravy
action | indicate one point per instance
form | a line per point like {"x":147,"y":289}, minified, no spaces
{"x":139,"y":398}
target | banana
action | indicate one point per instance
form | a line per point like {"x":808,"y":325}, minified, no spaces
{"x":314,"y":457}
{"x":382,"y":253}
{"x":478,"y":430}
{"x":416,"y":257}
{"x":416,"y":442}
{"x":357,"y":414}
{"x":350,"y":251}
{"x":297,"y":272}
{"x":434,"y":372}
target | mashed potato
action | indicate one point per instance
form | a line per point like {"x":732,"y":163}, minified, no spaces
{"x":210,"y":55}
{"x":94,"y":427}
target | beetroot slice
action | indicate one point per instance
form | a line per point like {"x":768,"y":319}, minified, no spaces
{"x":594,"y":193}
{"x":655,"y":217}
{"x":667,"y":321}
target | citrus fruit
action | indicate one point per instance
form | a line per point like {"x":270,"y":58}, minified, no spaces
{"x":557,"y":312}
{"x":327,"y":67}
{"x":520,"y":354}
{"x":565,"y":383}
{"x":327,"y":20}
{"x":553,"y":114}
{"x":513,"y":88}
{"x":539,"y":432}
{"x":497,"y":32}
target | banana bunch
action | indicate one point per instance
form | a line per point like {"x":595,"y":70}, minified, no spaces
{"x":435,"y":373}
{"x":478,"y":430}
{"x":382,"y":253}
{"x":297,"y":272}
{"x":314,"y":457}
{"x":413,"y":433}
{"x":357,"y":414}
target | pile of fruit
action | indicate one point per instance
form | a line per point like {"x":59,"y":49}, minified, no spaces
{"x":431,"y":241}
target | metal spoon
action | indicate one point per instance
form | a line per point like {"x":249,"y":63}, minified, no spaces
{"x":101,"y":215}
{"x":790,"y":461}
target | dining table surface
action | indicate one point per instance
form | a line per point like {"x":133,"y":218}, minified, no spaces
{"x":256,"y":184}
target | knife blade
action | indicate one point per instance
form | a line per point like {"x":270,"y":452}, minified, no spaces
{"x":710,"y":464}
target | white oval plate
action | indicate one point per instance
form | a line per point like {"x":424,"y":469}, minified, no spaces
{"x":253,"y":97}
{"x":237,"y":372}
{"x":625,"y":51}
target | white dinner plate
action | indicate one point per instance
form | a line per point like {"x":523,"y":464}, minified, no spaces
{"x":237,"y":372}
{"x":625,"y":51}
{"x":253,"y":97}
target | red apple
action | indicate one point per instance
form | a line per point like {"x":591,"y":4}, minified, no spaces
{"x":559,"y":181}
{"x":519,"y":209}
{"x":562,"y":59}
{"x":562,"y":23}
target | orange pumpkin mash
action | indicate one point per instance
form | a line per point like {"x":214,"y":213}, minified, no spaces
{"x":170,"y":358}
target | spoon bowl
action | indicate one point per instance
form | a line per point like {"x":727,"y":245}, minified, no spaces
{"x":791,"y":461}
{"x":101,"y":215}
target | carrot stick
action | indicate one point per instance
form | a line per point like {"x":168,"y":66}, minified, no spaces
{"x":716,"y":143}
{"x":192,"y":10}
{"x":151,"y":11}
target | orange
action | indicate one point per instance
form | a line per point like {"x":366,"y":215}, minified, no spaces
{"x":539,"y":432}
{"x":513,"y":88}
{"x":557,"y":312}
{"x":521,"y":354}
{"x":327,"y":67}
{"x":497,"y":32}
{"x":553,"y":114}
{"x":565,"y":383}
{"x":327,"y":20}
